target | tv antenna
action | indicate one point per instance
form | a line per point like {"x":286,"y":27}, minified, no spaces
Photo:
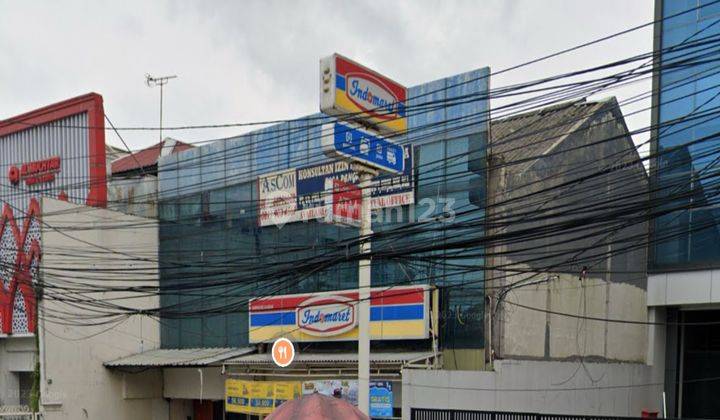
{"x":151,"y":81}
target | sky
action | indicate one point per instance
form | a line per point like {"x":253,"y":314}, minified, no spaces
{"x":258,"y":60}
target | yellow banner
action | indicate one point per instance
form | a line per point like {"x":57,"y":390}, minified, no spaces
{"x":258,"y":397}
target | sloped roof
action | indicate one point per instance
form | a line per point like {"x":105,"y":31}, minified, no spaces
{"x":147,"y":157}
{"x":180,"y":357}
{"x":534,"y":133}
{"x":332,"y":358}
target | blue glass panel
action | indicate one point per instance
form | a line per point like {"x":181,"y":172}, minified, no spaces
{"x":298,"y":142}
{"x":239,"y":162}
{"x":425,"y":112}
{"x":213,"y":165}
{"x":168,"y":176}
{"x":189,"y":179}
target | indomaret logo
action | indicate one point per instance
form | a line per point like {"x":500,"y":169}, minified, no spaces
{"x":326,"y":315}
{"x":373,"y":95}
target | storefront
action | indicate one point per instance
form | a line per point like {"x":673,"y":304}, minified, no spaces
{"x":255,"y":385}
{"x":401,"y":318}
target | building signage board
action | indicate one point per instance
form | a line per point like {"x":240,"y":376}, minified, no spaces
{"x":339,"y":388}
{"x":301,"y":194}
{"x":345,"y":203}
{"x":277,"y":197}
{"x":258,"y":397}
{"x":353,"y":91}
{"x":381,"y":399}
{"x":345,"y":141}
{"x":396,"y":313}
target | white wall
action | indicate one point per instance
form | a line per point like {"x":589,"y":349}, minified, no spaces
{"x":552,"y":387}
{"x":74,"y":383}
{"x":684,"y":288}
{"x":531,"y":386}
{"x":17,"y":354}
{"x":184,"y":383}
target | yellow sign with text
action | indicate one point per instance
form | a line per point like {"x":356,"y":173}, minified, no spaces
{"x":258,"y":397}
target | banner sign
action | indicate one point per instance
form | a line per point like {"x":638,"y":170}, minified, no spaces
{"x":346,"y":141}
{"x":258,"y":397}
{"x":343,"y":389}
{"x":300,"y":194}
{"x":381,"y":399}
{"x":396,"y":313}
{"x":348,"y":88}
{"x":345,"y":203}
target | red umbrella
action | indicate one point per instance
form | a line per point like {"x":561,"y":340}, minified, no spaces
{"x":317,"y":407}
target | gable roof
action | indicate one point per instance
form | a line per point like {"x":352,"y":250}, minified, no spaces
{"x":149,"y":156}
{"x":532,"y":134}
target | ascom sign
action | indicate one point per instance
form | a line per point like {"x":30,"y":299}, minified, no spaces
{"x":353,"y":91}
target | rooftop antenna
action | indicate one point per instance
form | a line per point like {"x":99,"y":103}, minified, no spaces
{"x":151,"y":81}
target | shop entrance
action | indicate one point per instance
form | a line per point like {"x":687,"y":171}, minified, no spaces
{"x":700,"y":365}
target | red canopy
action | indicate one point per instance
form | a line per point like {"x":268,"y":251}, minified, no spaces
{"x":317,"y":407}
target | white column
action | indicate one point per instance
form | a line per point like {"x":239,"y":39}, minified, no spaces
{"x":364,"y":299}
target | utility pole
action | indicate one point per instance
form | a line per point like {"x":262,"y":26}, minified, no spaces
{"x":151,"y":81}
{"x":364,"y":271}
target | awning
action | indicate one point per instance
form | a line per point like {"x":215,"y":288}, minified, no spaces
{"x":197,"y":357}
{"x":327,"y":364}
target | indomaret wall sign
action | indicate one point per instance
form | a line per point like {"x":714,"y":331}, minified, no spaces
{"x":351,"y":90}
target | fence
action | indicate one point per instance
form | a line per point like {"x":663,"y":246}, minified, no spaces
{"x":438,"y":414}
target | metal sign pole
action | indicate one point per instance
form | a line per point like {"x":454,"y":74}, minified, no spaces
{"x":364,"y":297}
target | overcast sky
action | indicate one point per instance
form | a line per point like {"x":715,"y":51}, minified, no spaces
{"x":242,"y":61}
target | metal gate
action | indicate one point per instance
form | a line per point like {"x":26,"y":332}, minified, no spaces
{"x":439,"y":414}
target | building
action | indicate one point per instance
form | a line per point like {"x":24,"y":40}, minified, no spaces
{"x":54,"y":225}
{"x":685,"y":243}
{"x":221,"y":245}
{"x":210,"y":220}
{"x":133,"y":182}
{"x":572,"y":173}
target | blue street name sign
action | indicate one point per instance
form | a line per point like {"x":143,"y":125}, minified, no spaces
{"x":345,"y":141}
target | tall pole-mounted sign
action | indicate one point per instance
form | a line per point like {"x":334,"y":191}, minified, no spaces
{"x":364,"y":100}
{"x":354,"y":92}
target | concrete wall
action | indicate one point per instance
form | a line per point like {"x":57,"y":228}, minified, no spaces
{"x":136,"y":196}
{"x":184,"y":383}
{"x":74,"y":382}
{"x":534,"y":386}
{"x":684,"y":288}
{"x":17,"y":354}
{"x":572,"y":227}
{"x":552,"y":387}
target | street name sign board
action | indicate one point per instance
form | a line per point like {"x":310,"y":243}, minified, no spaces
{"x":349,"y":142}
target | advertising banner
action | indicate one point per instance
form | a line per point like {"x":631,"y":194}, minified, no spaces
{"x":396,"y":313}
{"x":381,"y":399}
{"x":344,"y":389}
{"x":301,"y":194}
{"x":258,"y":397}
{"x":349,"y":88}
{"x":345,"y":203}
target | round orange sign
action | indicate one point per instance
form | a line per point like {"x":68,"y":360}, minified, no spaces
{"x":283,"y":352}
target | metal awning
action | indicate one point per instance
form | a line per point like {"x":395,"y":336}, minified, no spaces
{"x":327,"y":364}
{"x":197,"y":357}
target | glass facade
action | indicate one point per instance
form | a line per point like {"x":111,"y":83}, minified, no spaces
{"x":214,"y":255}
{"x":688,"y":159}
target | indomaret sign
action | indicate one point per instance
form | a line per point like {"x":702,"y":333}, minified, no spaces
{"x":352,"y":91}
{"x":396,"y":313}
